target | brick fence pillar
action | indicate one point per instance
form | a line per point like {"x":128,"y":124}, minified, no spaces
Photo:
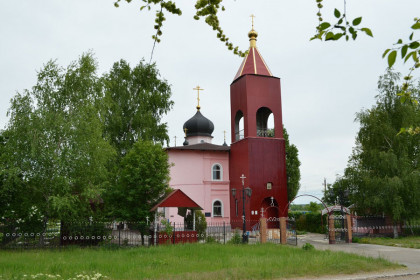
{"x":331,"y":229}
{"x":349,"y":235}
{"x":283,"y":230}
{"x":263,"y":230}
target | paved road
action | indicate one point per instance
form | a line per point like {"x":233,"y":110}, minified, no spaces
{"x":408,"y":257}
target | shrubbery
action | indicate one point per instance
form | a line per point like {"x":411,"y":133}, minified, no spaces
{"x":310,"y":222}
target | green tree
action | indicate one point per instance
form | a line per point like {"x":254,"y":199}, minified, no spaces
{"x":383,"y":174}
{"x":144,"y":178}
{"x":338,"y":192}
{"x":314,"y":207}
{"x":54,"y":154}
{"x":135,"y":101}
{"x":292,"y":168}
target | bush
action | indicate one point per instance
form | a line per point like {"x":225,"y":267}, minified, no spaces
{"x":308,"y":247}
{"x":309,"y":222}
{"x":211,"y":240}
{"x":236,"y":238}
{"x":200,"y":224}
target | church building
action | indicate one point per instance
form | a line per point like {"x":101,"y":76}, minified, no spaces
{"x":219,"y":177}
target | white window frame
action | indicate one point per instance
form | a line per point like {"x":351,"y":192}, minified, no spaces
{"x":221,"y":172}
{"x":221,"y":208}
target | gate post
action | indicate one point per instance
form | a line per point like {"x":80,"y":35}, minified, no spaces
{"x":263,"y":230}
{"x":349,"y":229}
{"x":331,"y":229}
{"x":283,"y":230}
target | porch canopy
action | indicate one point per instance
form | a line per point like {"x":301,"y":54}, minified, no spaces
{"x":179,"y":199}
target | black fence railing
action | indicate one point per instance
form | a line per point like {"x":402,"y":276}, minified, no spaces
{"x":381,"y":226}
{"x":120,"y":234}
{"x":268,"y":132}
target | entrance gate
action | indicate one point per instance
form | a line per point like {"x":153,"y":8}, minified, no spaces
{"x":339,"y":224}
{"x":271,"y":229}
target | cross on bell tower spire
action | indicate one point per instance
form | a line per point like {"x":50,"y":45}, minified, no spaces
{"x":252,"y":18}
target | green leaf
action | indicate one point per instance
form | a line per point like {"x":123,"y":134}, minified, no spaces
{"x":408,"y":56}
{"x":399,"y":41}
{"x":404,"y":51}
{"x":337,"y":13}
{"x":414,"y":45}
{"x":391,"y":58}
{"x":385,"y":52}
{"x":402,"y":130}
{"x":357,"y":21}
{"x":338,"y":36}
{"x":324,"y":25}
{"x":416,"y":25}
{"x":367,"y":31}
{"x":329,"y":36}
{"x":411,"y":36}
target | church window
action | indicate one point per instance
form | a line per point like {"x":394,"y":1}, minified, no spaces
{"x":216,"y":172}
{"x":265,"y":122}
{"x":217,"y":208}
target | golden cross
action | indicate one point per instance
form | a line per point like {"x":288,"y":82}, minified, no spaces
{"x":198,"y":88}
{"x":185,"y":130}
{"x":224,"y":133}
{"x":252,"y":17}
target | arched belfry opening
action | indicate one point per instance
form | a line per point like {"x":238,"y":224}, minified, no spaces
{"x":239,"y":125}
{"x":265,"y":122}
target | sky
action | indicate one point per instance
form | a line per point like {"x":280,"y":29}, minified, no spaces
{"x":324,"y":84}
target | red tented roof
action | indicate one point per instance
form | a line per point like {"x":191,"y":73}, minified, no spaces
{"x":253,"y":63}
{"x":177,"y":198}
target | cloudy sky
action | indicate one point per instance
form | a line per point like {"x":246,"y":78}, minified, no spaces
{"x":323,"y":84}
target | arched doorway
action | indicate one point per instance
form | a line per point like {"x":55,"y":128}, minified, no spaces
{"x":271,"y":212}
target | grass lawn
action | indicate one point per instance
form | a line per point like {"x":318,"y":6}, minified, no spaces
{"x":189,"y":261}
{"x":408,"y":242}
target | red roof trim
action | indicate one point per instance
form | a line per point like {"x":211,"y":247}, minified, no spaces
{"x":177,"y":198}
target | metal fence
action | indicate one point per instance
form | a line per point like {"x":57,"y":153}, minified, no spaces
{"x":119,"y":234}
{"x":381,"y":226}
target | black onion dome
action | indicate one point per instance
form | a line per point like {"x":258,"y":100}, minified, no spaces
{"x":199,"y":126}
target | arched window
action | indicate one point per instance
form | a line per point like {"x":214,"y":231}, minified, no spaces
{"x":265,"y":122}
{"x":217,"y":208}
{"x":216,"y":172}
{"x":239,"y":125}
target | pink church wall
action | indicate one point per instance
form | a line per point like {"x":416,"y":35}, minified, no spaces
{"x":192,"y":173}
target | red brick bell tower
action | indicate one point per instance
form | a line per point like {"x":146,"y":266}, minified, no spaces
{"x":257,"y":151}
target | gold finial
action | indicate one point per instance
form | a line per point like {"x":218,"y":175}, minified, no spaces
{"x":175,"y":140}
{"x":198,"y":88}
{"x":185,"y":130}
{"x":224,"y":134}
{"x":252,"y":34}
